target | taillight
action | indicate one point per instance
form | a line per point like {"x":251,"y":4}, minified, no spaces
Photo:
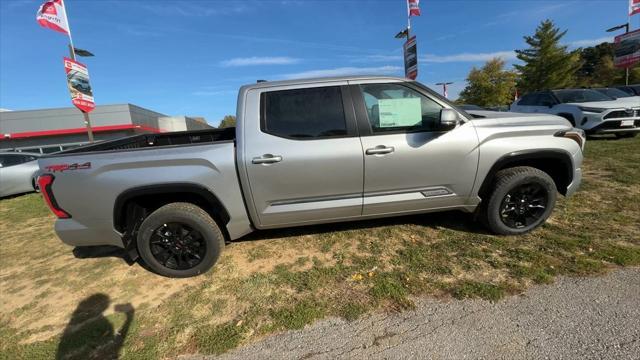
{"x":44,"y":182}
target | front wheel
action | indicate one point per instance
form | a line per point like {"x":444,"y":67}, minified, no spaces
{"x":522,"y":199}
{"x":180,"y":240}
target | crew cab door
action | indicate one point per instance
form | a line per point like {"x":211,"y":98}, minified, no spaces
{"x":411,"y":163}
{"x":302,"y":155}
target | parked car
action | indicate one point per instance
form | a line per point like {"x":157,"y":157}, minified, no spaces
{"x":621,"y":96}
{"x":587,"y":109}
{"x":17,"y":173}
{"x":630,"y":89}
{"x":308,"y":152}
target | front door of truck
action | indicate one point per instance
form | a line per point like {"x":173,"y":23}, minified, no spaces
{"x":411,"y":163}
{"x":302,"y":155}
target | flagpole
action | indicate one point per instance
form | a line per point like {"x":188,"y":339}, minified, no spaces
{"x":72,"y":51}
{"x":408,"y":21}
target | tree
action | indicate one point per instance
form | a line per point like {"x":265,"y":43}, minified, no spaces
{"x":547,"y":64}
{"x":598,"y":68}
{"x":489,"y":86}
{"x":227,"y":121}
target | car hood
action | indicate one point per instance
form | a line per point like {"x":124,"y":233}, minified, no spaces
{"x":609,"y":104}
{"x":633,"y":101}
{"x":495,"y":118}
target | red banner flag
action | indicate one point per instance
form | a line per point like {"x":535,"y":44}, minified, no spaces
{"x":414,"y":7}
{"x":51,"y":15}
{"x":634,"y":7}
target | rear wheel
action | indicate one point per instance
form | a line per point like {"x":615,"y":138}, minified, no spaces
{"x":521,"y":200}
{"x":180,"y":240}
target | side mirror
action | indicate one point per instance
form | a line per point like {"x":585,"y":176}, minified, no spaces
{"x":448,"y":118}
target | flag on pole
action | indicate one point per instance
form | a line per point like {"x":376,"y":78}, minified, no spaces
{"x":414,"y":7}
{"x":51,"y":15}
{"x":634,"y":7}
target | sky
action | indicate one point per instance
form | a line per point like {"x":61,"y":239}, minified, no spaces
{"x":190,"y":57}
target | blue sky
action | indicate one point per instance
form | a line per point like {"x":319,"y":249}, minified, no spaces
{"x":190,"y":57}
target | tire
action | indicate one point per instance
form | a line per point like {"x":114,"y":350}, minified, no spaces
{"x":521,"y":212}
{"x":171,"y":240}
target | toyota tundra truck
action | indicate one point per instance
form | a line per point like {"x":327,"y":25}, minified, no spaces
{"x":309,"y":152}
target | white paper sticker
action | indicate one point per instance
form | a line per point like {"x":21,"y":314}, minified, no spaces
{"x":400,"y":112}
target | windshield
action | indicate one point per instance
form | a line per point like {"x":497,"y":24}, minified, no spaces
{"x":613,"y":92}
{"x":580,"y":96}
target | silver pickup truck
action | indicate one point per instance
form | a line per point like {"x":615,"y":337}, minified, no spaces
{"x":308,"y":152}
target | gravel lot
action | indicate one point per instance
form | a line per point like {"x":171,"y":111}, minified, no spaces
{"x":575,"y":318}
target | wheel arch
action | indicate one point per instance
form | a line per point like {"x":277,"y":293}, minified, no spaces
{"x":557,"y":163}
{"x":136,"y":203}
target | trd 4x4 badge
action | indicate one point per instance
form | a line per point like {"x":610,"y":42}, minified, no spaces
{"x":65,"y":167}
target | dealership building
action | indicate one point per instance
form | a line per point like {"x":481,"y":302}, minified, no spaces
{"x":52,"y":130}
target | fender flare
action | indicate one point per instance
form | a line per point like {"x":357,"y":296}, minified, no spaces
{"x":516,"y":157}
{"x":119,"y":218}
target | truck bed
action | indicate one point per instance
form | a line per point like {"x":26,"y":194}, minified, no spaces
{"x":157,"y":140}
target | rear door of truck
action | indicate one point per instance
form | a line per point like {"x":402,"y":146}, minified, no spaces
{"x":302,"y":154}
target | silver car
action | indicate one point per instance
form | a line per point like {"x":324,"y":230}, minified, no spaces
{"x":18,"y":173}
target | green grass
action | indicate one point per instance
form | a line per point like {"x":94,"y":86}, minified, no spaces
{"x":341,"y":270}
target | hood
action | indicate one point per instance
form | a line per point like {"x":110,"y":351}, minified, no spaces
{"x":494,"y":118}
{"x":632,"y":101}
{"x":609,"y":104}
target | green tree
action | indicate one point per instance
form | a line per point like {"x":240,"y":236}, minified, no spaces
{"x":547,"y":64}
{"x":227,"y":121}
{"x":491,"y":85}
{"x":598,"y":68}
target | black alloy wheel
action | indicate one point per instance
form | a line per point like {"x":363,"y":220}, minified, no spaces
{"x":177,"y":246}
{"x":523,"y":205}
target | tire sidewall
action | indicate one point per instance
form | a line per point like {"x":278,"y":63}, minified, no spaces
{"x":212,"y":236}
{"x":493,"y":208}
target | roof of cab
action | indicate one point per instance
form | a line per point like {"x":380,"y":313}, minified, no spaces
{"x":265,"y":84}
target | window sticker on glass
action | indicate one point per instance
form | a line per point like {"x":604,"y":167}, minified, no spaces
{"x":400,"y":112}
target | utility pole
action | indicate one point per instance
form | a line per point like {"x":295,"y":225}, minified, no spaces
{"x":444,"y":88}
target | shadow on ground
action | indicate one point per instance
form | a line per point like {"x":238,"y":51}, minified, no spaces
{"x":453,"y":220}
{"x":89,"y":331}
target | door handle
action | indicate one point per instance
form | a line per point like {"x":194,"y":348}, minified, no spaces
{"x":267,"y":159}
{"x":380,"y":150}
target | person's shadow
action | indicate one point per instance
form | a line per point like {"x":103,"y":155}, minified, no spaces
{"x":89,"y":333}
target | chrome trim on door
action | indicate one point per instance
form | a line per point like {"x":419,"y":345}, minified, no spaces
{"x":380,"y":150}
{"x":266,"y":159}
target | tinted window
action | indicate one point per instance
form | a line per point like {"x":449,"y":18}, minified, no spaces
{"x":393,"y":107}
{"x":613,"y":92}
{"x":304,"y":113}
{"x":545,"y":100}
{"x":17,"y":159}
{"x":580,"y":95}
{"x":528,"y":100}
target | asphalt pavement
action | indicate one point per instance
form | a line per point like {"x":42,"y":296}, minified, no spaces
{"x":574,"y":318}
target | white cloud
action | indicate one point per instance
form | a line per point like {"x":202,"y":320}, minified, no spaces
{"x":468,"y":57}
{"x":257,"y":60}
{"x":590,"y":42}
{"x":345,"y":71}
{"x":376,"y":58}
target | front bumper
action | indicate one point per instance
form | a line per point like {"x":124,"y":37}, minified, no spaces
{"x":577,"y":173}
{"x":615,"y":126}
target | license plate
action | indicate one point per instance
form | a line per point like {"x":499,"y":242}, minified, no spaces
{"x":626,"y":123}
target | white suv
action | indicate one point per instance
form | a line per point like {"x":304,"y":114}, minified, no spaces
{"x":587,"y":109}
